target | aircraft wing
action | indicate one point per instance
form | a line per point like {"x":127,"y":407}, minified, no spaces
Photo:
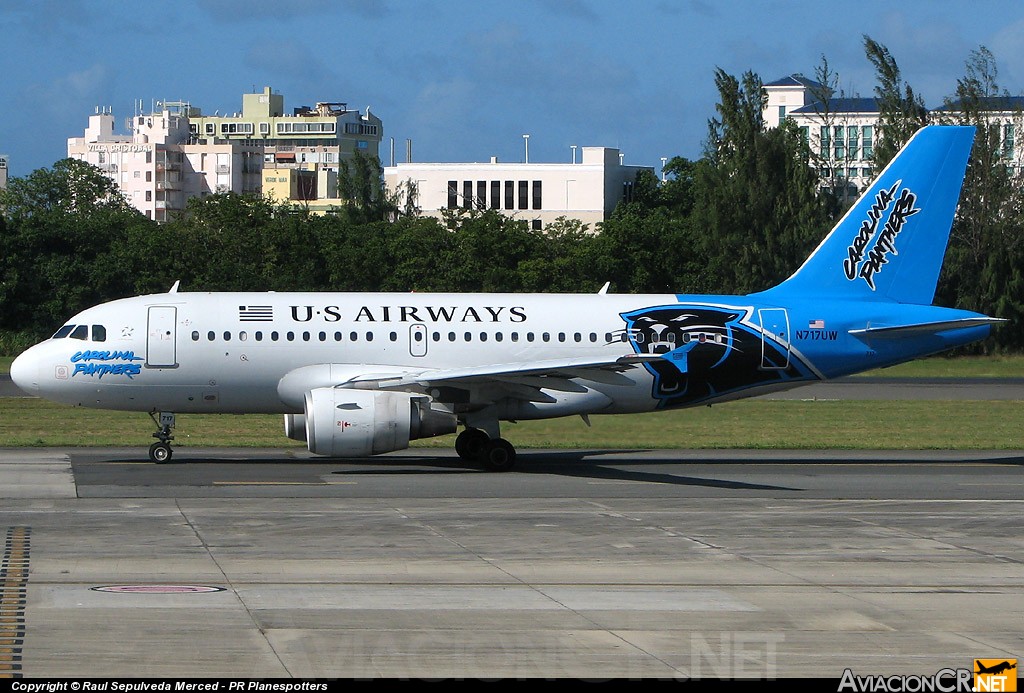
{"x":519,"y":381}
{"x":551,"y":373}
{"x":480,"y":385}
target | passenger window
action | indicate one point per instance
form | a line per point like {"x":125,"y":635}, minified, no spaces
{"x":322,"y":336}
{"x":546,"y":337}
{"x":514,"y":337}
{"x":436,"y":336}
{"x":195,"y":335}
{"x":243,"y":336}
{"x":498,"y":337}
{"x":369,"y":336}
{"x":483,"y":336}
{"x":63,"y":332}
{"x":80,"y":332}
{"x":529,"y":336}
{"x":259,"y":336}
{"x":353,"y":337}
{"x":305,"y":336}
{"x":211,"y":335}
{"x":469,"y":337}
{"x":561,"y":336}
{"x":227,"y":336}
{"x":451,"y":336}
{"x":337,"y":336}
{"x":99,"y":333}
{"x":290,"y":336}
{"x":274,"y":336}
{"x":577,"y":337}
{"x":593,"y":337}
{"x":393,"y":336}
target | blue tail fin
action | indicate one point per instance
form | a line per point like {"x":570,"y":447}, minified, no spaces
{"x":889,"y":246}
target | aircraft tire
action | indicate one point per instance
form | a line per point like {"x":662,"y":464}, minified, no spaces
{"x":471,"y":444}
{"x":500,"y":455}
{"x":160,"y":452}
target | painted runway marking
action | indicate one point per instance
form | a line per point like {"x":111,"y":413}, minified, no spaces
{"x":13,"y":596}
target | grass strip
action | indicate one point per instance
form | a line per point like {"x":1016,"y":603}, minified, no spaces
{"x":761,"y":424}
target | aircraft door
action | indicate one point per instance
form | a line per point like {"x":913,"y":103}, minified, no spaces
{"x":774,"y":338}
{"x":160,"y":337}
{"x":418,"y":339}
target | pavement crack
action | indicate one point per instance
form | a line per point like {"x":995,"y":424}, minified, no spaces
{"x":231,"y":586}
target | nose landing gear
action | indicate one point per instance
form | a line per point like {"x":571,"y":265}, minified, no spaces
{"x":160,"y":452}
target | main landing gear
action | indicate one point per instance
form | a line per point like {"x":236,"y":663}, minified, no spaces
{"x":160,"y":451}
{"x":496,"y":454}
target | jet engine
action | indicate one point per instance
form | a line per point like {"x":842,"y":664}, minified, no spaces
{"x":341,"y":422}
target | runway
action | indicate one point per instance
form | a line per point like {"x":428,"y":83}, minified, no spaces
{"x":587,"y":564}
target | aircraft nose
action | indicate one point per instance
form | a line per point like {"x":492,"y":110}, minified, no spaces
{"x":25,"y":373}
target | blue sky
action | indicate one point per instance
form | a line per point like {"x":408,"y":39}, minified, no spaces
{"x":464,"y":80}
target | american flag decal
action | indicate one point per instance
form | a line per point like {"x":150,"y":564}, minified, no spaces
{"x":816,"y":325}
{"x":256,"y":313}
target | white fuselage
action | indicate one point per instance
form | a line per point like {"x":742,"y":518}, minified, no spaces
{"x":227,"y":352}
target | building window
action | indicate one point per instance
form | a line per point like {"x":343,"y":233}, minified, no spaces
{"x":510,"y":195}
{"x":495,"y":194}
{"x":867,"y":146}
{"x":467,"y":194}
{"x":292,"y":128}
{"x":524,"y":191}
{"x":236,"y":128}
{"x":536,"y":194}
{"x":481,"y":194}
{"x":782,"y":113}
{"x":851,"y":140}
{"x":1008,"y":133}
{"x":536,"y":225}
{"x":839,"y":143}
{"x":453,"y":194}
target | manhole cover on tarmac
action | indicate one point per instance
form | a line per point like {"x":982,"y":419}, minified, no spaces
{"x":157,"y":589}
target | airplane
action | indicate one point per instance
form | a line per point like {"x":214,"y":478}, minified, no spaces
{"x":999,"y":668}
{"x":359,"y":374}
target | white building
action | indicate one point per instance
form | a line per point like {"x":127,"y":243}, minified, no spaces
{"x":3,"y":170}
{"x":176,"y":153}
{"x":537,"y":193}
{"x":841,"y":132}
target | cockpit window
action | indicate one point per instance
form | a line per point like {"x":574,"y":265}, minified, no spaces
{"x":80,"y":332}
{"x":99,"y":333}
{"x":63,"y":332}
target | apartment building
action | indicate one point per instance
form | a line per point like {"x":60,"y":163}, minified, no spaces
{"x":175,"y":153}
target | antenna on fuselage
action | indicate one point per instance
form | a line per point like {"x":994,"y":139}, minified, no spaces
{"x":604,"y":289}
{"x":174,"y":289}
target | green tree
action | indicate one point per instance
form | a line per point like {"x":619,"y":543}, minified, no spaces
{"x":982,"y":270}
{"x":757,"y":212}
{"x":65,"y":235}
{"x":901,"y":110}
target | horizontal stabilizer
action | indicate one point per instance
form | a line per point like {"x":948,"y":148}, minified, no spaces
{"x":887,"y":331}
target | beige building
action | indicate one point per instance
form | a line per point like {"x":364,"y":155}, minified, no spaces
{"x":537,"y":193}
{"x":3,"y":170}
{"x":176,"y":153}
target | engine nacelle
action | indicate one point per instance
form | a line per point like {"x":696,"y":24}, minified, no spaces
{"x":341,"y":422}
{"x":295,"y":426}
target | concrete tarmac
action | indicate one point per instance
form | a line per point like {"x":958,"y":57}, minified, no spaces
{"x":587,"y":564}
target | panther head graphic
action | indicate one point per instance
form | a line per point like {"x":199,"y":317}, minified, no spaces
{"x":708,"y":351}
